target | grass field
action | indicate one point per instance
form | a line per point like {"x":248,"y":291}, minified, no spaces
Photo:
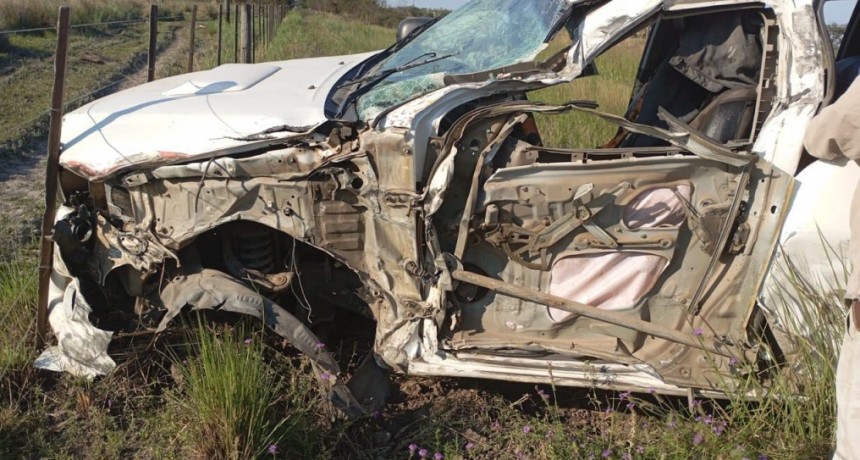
{"x":211,"y":391}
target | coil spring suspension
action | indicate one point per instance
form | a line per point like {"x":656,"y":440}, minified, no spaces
{"x":255,"y":247}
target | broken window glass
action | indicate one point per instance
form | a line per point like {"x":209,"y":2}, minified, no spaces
{"x":481,"y":36}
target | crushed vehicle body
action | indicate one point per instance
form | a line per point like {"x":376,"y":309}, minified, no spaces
{"x":412,"y":186}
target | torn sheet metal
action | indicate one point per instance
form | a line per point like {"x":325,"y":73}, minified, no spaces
{"x":213,"y":290}
{"x":81,"y":348}
{"x":153,"y":124}
{"x":610,"y":376}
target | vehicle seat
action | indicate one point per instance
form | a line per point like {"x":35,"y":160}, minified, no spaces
{"x":729,"y":116}
{"x":708,"y":80}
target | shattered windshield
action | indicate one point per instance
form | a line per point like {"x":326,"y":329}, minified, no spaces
{"x":482,"y":35}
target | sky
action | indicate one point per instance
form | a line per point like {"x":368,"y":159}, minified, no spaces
{"x":838,"y":11}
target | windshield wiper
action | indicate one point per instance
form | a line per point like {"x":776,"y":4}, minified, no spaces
{"x":431,"y":58}
{"x":372,"y":79}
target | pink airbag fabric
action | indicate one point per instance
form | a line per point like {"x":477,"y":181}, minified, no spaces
{"x":618,"y":280}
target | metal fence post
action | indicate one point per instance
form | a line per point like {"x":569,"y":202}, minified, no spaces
{"x":46,"y":252}
{"x":153,"y":42}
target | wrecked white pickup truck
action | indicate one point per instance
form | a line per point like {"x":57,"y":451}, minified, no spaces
{"x":412,"y":186}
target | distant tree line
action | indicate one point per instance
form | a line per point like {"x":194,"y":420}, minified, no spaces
{"x":837,"y":31}
{"x":370,"y":11}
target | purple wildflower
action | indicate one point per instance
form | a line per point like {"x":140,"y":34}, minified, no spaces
{"x":651,"y":390}
{"x":631,"y":405}
{"x":496,"y":425}
{"x":733,"y":361}
{"x":698,"y":439}
{"x":762,"y":457}
{"x":438,"y":456}
{"x":319,"y":345}
{"x":248,"y":341}
{"x":470,"y":445}
{"x":543,"y":394}
{"x":672,"y":424}
{"x":608,"y":409}
{"x":412,"y":448}
{"x":709,"y":419}
{"x":640,"y":450}
{"x":527,"y":429}
{"x":624,"y":395}
{"x":626,"y":456}
{"x":375,"y":414}
{"x":718,"y":429}
{"x":607,"y":453}
{"x":325,"y":376}
{"x":273,"y":449}
{"x":698,"y":332}
{"x":423,"y":453}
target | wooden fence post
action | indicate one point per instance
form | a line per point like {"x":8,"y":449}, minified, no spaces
{"x":46,"y":251}
{"x":236,"y":22}
{"x":220,"y":29}
{"x":191,"y":38}
{"x":253,"y":35}
{"x":153,"y":42}
{"x":272,"y":16}
{"x":246,"y":37}
{"x":227,"y":7}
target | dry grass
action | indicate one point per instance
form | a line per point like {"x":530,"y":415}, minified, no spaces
{"x":24,"y":14}
{"x":17,"y":14}
{"x":611,"y":88}
{"x":307,"y":35}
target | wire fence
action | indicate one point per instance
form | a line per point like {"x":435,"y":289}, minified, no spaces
{"x":110,"y":55}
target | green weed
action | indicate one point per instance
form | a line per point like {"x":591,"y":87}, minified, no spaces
{"x":234,"y":398}
{"x":18,"y":292}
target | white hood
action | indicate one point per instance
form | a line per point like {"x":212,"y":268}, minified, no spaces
{"x":194,"y":114}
